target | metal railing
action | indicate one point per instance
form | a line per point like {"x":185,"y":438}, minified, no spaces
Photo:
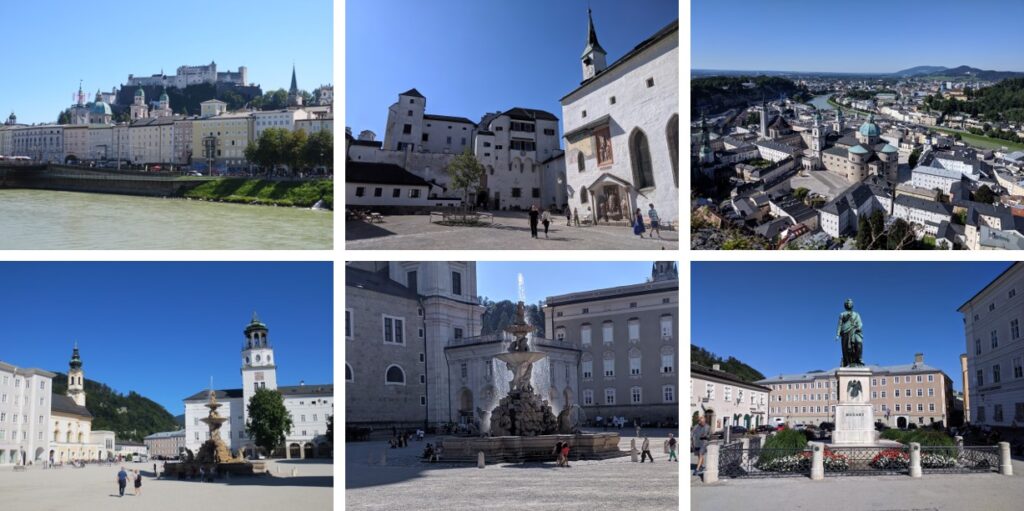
{"x":736,"y":462}
{"x":951,"y":459}
{"x":866,"y":461}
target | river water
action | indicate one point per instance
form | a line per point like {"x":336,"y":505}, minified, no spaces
{"x":821,"y":102}
{"x":42,"y":220}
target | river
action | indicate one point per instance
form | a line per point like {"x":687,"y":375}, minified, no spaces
{"x":43,"y":220}
{"x":821,"y":102}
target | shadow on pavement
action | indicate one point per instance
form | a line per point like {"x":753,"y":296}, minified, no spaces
{"x":360,"y":230}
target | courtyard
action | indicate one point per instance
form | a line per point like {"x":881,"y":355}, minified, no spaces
{"x":932,"y":492}
{"x":95,"y":487}
{"x":509,"y":231}
{"x":405,"y":482}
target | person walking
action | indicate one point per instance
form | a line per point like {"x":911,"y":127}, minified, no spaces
{"x":568,"y":217}
{"x":545,"y":219}
{"x":565,"y":455}
{"x":638,"y":223}
{"x":138,"y":483}
{"x":576,"y":216}
{"x":652,"y":214}
{"x":122,"y":481}
{"x":558,"y":453}
{"x":699,"y":441}
{"x":645,"y":450}
{"x":534,"y":215}
{"x":670,"y":445}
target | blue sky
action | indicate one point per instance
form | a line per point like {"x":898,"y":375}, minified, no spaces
{"x":864,"y":36}
{"x":470,"y":57}
{"x":781,"y":317}
{"x":498,"y":280}
{"x":52,"y":44}
{"x":163,"y":329}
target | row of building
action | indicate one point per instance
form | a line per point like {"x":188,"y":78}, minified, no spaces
{"x":415,"y":354}
{"x":620,"y":127}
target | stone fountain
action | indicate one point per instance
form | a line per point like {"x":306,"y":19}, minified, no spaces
{"x":214,"y":455}
{"x":523,"y":426}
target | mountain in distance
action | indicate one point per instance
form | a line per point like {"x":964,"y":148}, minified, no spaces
{"x":919,"y":70}
{"x":131,"y":417}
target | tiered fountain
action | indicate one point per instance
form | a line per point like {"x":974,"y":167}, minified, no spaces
{"x":214,"y":454}
{"x":523,"y":427}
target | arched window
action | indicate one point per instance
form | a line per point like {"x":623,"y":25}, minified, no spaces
{"x":668,"y":360}
{"x":348,"y":372}
{"x":634,"y":361}
{"x":581,"y":164}
{"x":640,"y":157}
{"x":583,"y":195}
{"x":672,"y":134}
{"x":394,"y":375}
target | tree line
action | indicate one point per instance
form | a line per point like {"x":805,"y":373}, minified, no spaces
{"x":295,"y":149}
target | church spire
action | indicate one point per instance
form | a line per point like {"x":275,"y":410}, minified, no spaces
{"x":592,"y":43}
{"x":295,"y":84}
{"x":593,"y":58}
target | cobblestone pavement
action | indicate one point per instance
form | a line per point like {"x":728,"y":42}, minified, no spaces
{"x":95,"y":488}
{"x":932,"y":492}
{"x":510,"y":231}
{"x":407,"y":483}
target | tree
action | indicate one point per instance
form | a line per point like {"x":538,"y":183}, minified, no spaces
{"x":294,"y":155}
{"x":900,"y":236}
{"x":330,"y":427}
{"x":800,"y":193}
{"x":914,"y":156}
{"x":269,"y":150}
{"x":64,"y":117}
{"x":268,"y":420}
{"x":465,"y":173}
{"x":319,"y":149}
{"x":753,"y":118}
{"x":985,"y":195}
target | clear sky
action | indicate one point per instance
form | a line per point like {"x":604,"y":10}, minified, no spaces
{"x":781,"y":317}
{"x":866,"y":36}
{"x":470,"y":57}
{"x":163,"y":329}
{"x":52,"y":44}
{"x":498,"y":280}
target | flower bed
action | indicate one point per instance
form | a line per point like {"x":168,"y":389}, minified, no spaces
{"x":801,"y":462}
{"x":891,"y":459}
{"x":937,"y":461}
{"x":835,"y":462}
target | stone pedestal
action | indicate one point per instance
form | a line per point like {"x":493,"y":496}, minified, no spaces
{"x":855,"y":418}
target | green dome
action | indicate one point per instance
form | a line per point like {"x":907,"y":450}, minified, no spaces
{"x":889,"y":149}
{"x":255,"y":324}
{"x":140,"y":92}
{"x":858,"y":149}
{"x":869,"y":128}
{"x":101,"y":108}
{"x":164,"y":97}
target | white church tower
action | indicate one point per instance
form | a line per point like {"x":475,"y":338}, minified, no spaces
{"x":593,"y":57}
{"x":258,"y":367}
{"x":76,"y":379}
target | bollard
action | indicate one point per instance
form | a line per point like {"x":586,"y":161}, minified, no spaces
{"x":745,"y":451}
{"x":915,"y":459}
{"x":1005,"y":462}
{"x":480,"y":460}
{"x":632,"y":450}
{"x":959,"y":447}
{"x":817,"y":461}
{"x":711,"y":464}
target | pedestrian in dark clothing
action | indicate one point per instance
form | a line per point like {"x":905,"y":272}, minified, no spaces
{"x":638,"y":223}
{"x":138,"y":483}
{"x":558,"y":453}
{"x":122,"y":481}
{"x":645,"y":451}
{"x":568,"y":217}
{"x":534,"y":218}
{"x":576,"y":216}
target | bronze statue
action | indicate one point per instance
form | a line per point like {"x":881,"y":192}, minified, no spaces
{"x":850,"y":333}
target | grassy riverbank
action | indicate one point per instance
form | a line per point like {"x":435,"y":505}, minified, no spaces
{"x":845,"y":108}
{"x":982,"y":142}
{"x":265,"y":192}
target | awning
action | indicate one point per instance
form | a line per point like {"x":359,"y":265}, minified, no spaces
{"x":587,"y":128}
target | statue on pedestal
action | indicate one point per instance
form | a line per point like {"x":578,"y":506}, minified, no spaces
{"x":850,"y":333}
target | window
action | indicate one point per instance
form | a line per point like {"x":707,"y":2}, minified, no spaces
{"x":609,"y":364}
{"x":977,"y":346}
{"x":919,"y":377}
{"x":727,"y":393}
{"x":1018,"y":369}
{"x":991,"y":307}
{"x":517,"y":192}
{"x":997,"y":413}
{"x":585,"y":334}
{"x":448,"y":140}
{"x":584,"y":114}
{"x":607,"y":332}
{"x":422,"y":357}
{"x":378,"y":192}
{"x":425,"y":137}
{"x":609,"y":396}
{"x":394,"y":330}
{"x":396,"y":193}
{"x":666,"y":327}
{"x":672,"y":134}
{"x":407,"y":129}
{"x":348,"y":373}
{"x":634,"y":362}
{"x":457,"y":333}
{"x":883,"y":394}
{"x":931,"y":378}
{"x":634,"y":329}
{"x":1014,"y":329}
{"x":423,"y":400}
{"x":995,"y":373}
{"x":635,"y":395}
{"x":456,"y":283}
{"x":611,"y":100}
{"x":980,"y":377}
{"x":1012,"y":293}
{"x":581,"y":164}
{"x":920,"y":392}
{"x":464,"y":370}
{"x":931,"y":392}
{"x":394,"y":375}
{"x":981,"y":414}
{"x":650,"y":82}
{"x":560,"y":333}
{"x":588,"y":397}
{"x":896,"y":393}
{"x":536,"y":193}
{"x":348,"y":323}
{"x":931,"y":407}
{"x":549,"y":131}
{"x":995,"y":339}
{"x":668,"y":360}
{"x":883,"y":382}
{"x":360,"y":191}
{"x":640,"y":158}
{"x":897,"y":407}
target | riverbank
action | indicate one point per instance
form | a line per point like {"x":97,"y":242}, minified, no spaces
{"x":980,"y":141}
{"x":846,"y":108}
{"x":303,"y":194}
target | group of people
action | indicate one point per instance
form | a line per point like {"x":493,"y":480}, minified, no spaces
{"x":122,"y":481}
{"x":543,"y":217}
{"x":670,"y":447}
{"x":401,"y":438}
{"x":561,"y":452}
{"x":431,"y":453}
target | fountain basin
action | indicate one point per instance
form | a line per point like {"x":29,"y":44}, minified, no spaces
{"x":518,"y":449}
{"x":518,"y":358}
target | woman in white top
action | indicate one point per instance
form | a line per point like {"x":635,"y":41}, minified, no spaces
{"x":545,"y":218}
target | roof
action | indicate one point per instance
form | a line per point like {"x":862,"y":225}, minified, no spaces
{"x":666,"y":31}
{"x":778,"y":146}
{"x":370,"y":143}
{"x":320,"y":389}
{"x":64,"y":404}
{"x":377,"y":282}
{"x":447,"y":118}
{"x":930,"y":206}
{"x":722,"y":375}
{"x":858,"y":149}
{"x":165,"y":434}
{"x":412,"y":92}
{"x":875,"y":369}
{"x":585,"y":129}
{"x":592,"y":44}
{"x":938,"y":172}
{"x":997,"y":279}
{"x":530,"y":114}
{"x":380,"y":173}
{"x":204,"y":395}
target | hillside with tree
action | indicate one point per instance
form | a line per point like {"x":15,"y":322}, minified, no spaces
{"x":131,"y":416}
{"x":498,"y":315}
{"x":715,"y":94}
{"x":731,"y":365}
{"x":1003,"y":101}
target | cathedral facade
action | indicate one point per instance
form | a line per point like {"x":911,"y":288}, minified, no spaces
{"x":861,"y":154}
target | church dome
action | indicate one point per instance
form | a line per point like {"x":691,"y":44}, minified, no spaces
{"x":858,"y":149}
{"x":140,"y":92}
{"x":869,"y":128}
{"x":255,"y":324}
{"x":101,"y":108}
{"x":888,"y":148}
{"x":164,"y":97}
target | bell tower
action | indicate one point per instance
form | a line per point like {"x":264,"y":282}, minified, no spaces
{"x":258,"y":365}
{"x":76,"y":378}
{"x":664,"y":270}
{"x":593,"y":58}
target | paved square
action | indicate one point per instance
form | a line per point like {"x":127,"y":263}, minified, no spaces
{"x":510,"y":231}
{"x":953,"y":492}
{"x":95,"y":487}
{"x":406,"y":483}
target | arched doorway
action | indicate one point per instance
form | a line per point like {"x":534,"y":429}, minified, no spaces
{"x":465,"y":406}
{"x":672,"y":134}
{"x":901,"y":422}
{"x":38,"y":455}
{"x":294,"y":451}
{"x":746,"y":421}
{"x":640,"y":159}
{"x":307,"y":450}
